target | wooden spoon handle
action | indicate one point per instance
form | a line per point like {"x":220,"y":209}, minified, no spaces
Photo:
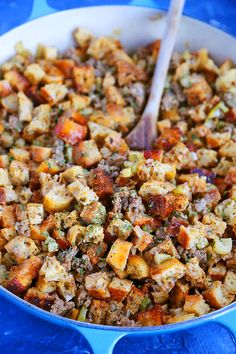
{"x":145,"y":132}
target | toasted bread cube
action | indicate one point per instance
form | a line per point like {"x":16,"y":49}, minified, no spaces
{"x":94,"y":234}
{"x":222,"y":246}
{"x":53,"y":270}
{"x":75,"y":234}
{"x":133,"y":300}
{"x":7,"y":195}
{"x":40,"y":123}
{"x":128,"y":73}
{"x":86,"y":154}
{"x":5,"y":88}
{"x":21,"y":248}
{"x":194,"y":273}
{"x":214,"y":225}
{"x":25,"y":107}
{"x":120,"y":228}
{"x":69,"y":131}
{"x":96,"y":251}
{"x":101,"y":46}
{"x":230,"y":282}
{"x":65,"y":66}
{"x":44,"y":285}
{"x":137,"y":268}
{"x":168,"y":247}
{"x":82,"y":193}
{"x":206,"y":157}
{"x":181,"y":156}
{"x":4,"y":161}
{"x":180,"y":318}
{"x":79,"y":102}
{"x":178,"y":293}
{"x":151,"y":317}
{"x":7,"y":216}
{"x":217,"y":272}
{"x":98,"y":132}
{"x":197,"y":184}
{"x":57,"y":199}
{"x":49,"y":166}
{"x":98,"y":310}
{"x":198,"y":92}
{"x":215,"y":140}
{"x":154,"y":188}
{"x":40,"y":299}
{"x":82,"y":37}
{"x":161,"y":205}
{"x":196,"y":304}
{"x":142,"y":239}
{"x":35,"y":213}
{"x":21,"y":276}
{"x":10,"y":103}
{"x":20,"y":154}
{"x":227,"y":211}
{"x":34,"y":73}
{"x":153,"y":154}
{"x":84,"y":78}
{"x":3,"y":242}
{"x":160,"y":297}
{"x":93,"y":213}
{"x":49,"y":53}
{"x":40,"y":153}
{"x":118,"y":254}
{"x":54,"y":93}
{"x":100,"y":182}
{"x":97,"y":285}
{"x":8,"y":233}
{"x":19,"y":173}
{"x":119,"y":288}
{"x":67,"y":287}
{"x":16,"y":80}
{"x":193,"y":236}
{"x":228,"y":149}
{"x":4,"y":178}
{"x":122,"y":274}
{"x":73,"y":173}
{"x":163,"y":125}
{"x":218,"y":295}
{"x":113,"y":95}
{"x":167,"y":273}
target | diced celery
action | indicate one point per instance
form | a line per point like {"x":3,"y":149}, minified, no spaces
{"x":82,"y":314}
{"x":126,"y":172}
{"x":215,"y":112}
{"x":161,"y":257}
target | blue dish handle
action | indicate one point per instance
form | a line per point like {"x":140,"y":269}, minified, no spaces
{"x":101,"y":341}
{"x":40,"y":8}
{"x":228,"y":320}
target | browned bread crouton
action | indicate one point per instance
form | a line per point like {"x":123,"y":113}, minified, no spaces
{"x":40,"y":299}
{"x":196,"y":304}
{"x":151,"y":317}
{"x":21,"y":276}
{"x":167,"y":273}
{"x":101,"y":182}
{"x":118,"y":254}
{"x":119,"y":288}
{"x":218,"y":295}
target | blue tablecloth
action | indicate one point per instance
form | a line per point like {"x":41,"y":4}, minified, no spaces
{"x":22,"y":333}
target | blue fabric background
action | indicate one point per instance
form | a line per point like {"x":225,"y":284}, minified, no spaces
{"x":22,"y":333}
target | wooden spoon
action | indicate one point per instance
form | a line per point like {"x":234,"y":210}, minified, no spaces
{"x":145,"y":132}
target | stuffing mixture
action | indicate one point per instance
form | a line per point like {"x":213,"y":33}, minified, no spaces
{"x":93,"y":231}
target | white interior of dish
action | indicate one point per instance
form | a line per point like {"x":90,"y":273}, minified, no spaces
{"x":134,"y":26}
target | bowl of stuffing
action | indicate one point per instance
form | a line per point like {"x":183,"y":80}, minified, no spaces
{"x":96,"y":236}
